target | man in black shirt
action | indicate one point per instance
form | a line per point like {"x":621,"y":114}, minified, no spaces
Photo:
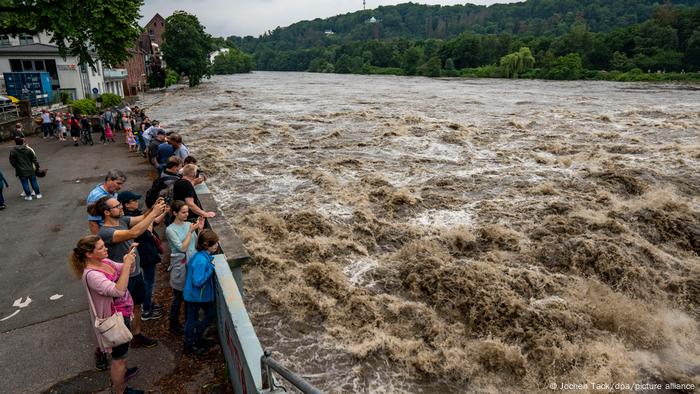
{"x":184,"y":190}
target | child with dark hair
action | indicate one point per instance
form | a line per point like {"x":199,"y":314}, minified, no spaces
{"x":199,"y":292}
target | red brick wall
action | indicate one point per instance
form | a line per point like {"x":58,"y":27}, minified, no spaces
{"x":155,"y":29}
{"x":136,"y":68}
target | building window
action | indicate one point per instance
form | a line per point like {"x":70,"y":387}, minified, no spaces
{"x":15,"y":65}
{"x":4,"y":40}
{"x":27,"y":65}
{"x":26,"y":39}
{"x":151,"y":32}
{"x":39,"y":65}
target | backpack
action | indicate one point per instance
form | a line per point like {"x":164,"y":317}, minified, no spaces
{"x":161,"y":187}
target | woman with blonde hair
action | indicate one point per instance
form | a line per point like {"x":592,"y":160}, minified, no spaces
{"x":105,"y":283}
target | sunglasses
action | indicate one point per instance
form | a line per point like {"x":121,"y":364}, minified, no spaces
{"x":120,"y":206}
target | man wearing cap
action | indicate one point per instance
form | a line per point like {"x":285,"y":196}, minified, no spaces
{"x":148,"y":253}
{"x":118,"y":233}
{"x":114,"y":180}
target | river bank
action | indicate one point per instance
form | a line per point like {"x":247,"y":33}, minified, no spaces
{"x":422,"y":235}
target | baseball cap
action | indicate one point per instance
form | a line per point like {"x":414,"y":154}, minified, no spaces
{"x":127,"y":196}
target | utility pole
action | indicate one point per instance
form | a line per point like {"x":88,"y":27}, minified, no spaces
{"x":364,"y":3}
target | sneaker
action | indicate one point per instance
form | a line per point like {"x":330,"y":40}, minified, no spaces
{"x":39,"y":196}
{"x":158,"y":307}
{"x":101,"y":362}
{"x":129,"y":390}
{"x":130,"y":373}
{"x":24,"y":195}
{"x":2,"y":207}
{"x":153,"y":315}
{"x":28,"y":198}
{"x":143,"y":341}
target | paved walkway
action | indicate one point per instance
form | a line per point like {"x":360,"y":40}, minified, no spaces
{"x":47,"y":340}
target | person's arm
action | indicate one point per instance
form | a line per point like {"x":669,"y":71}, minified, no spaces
{"x":98,"y":282}
{"x":13,"y":159}
{"x":140,"y":227}
{"x":127,"y":267}
{"x":201,"y":270}
{"x":197,"y":210}
{"x":35,"y":161}
{"x":188,"y":237}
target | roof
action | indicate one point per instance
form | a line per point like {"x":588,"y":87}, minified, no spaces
{"x":28,"y":49}
{"x":155,"y":17}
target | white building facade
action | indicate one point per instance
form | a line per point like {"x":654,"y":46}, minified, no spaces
{"x":36,"y":53}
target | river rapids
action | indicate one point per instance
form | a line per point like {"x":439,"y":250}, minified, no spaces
{"x":447,"y":235}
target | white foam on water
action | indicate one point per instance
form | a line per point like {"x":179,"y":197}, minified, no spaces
{"x":358,"y":270}
{"x":445,"y":218}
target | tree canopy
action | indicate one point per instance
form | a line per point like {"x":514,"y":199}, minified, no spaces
{"x":89,"y":29}
{"x":232,"y":62}
{"x":186,"y":46}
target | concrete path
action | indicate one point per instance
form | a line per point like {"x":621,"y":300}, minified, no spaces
{"x":45,"y":334}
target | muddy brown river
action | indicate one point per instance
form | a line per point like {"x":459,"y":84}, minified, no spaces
{"x":427,"y":235}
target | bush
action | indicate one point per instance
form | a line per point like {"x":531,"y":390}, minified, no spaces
{"x":110,"y":100}
{"x":65,"y":98}
{"x":171,"y":78}
{"x":84,"y":107}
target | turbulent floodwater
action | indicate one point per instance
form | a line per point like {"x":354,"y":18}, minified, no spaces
{"x":427,"y":235}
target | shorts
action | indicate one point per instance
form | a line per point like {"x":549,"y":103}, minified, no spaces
{"x":119,"y":352}
{"x":137,"y":288}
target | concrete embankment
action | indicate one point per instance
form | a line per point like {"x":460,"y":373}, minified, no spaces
{"x":46,"y":343}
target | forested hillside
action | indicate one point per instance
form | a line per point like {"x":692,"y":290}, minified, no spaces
{"x":418,"y":21}
{"x":559,"y":39}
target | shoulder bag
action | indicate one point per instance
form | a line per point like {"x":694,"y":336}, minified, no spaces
{"x":112,"y":331}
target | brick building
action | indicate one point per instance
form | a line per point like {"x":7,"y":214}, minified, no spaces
{"x":136,"y":68}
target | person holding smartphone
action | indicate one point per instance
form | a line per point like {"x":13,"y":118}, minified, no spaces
{"x":118,"y":233}
{"x":182,"y":238}
{"x":106,"y":283}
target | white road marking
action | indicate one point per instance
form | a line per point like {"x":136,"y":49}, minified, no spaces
{"x":56,"y":297}
{"x":12,"y":315}
{"x":19,"y":304}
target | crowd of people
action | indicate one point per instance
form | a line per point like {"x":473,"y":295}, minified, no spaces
{"x":117,"y":261}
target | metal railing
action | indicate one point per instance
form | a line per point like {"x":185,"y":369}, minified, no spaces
{"x":268,"y":365}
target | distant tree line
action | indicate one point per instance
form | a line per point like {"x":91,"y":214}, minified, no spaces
{"x":572,"y":48}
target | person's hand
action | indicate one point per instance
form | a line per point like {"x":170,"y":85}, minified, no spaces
{"x":130,"y":258}
{"x":159,"y":207}
{"x":209,"y":214}
{"x":200,"y":223}
{"x":194,"y":226}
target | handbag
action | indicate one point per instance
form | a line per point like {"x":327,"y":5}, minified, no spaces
{"x":112,"y":331}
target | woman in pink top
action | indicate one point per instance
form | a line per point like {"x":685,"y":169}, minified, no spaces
{"x":106,"y":284}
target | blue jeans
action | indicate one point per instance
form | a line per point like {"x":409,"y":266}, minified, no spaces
{"x":2,"y":199}
{"x":47,"y":128}
{"x":25,"y":184}
{"x":194,"y":328}
{"x":149,"y":278}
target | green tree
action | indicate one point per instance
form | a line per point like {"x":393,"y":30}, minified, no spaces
{"x":232,"y":62}
{"x":692,"y":56}
{"x":566,"y":67}
{"x":411,"y":60}
{"x":343,"y":65}
{"x":107,"y":28}
{"x":449,"y":70}
{"x":516,"y":63}
{"x":186,"y":46}
{"x":431,"y":68}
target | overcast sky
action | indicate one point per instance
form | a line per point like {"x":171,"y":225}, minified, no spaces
{"x":253,"y":17}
